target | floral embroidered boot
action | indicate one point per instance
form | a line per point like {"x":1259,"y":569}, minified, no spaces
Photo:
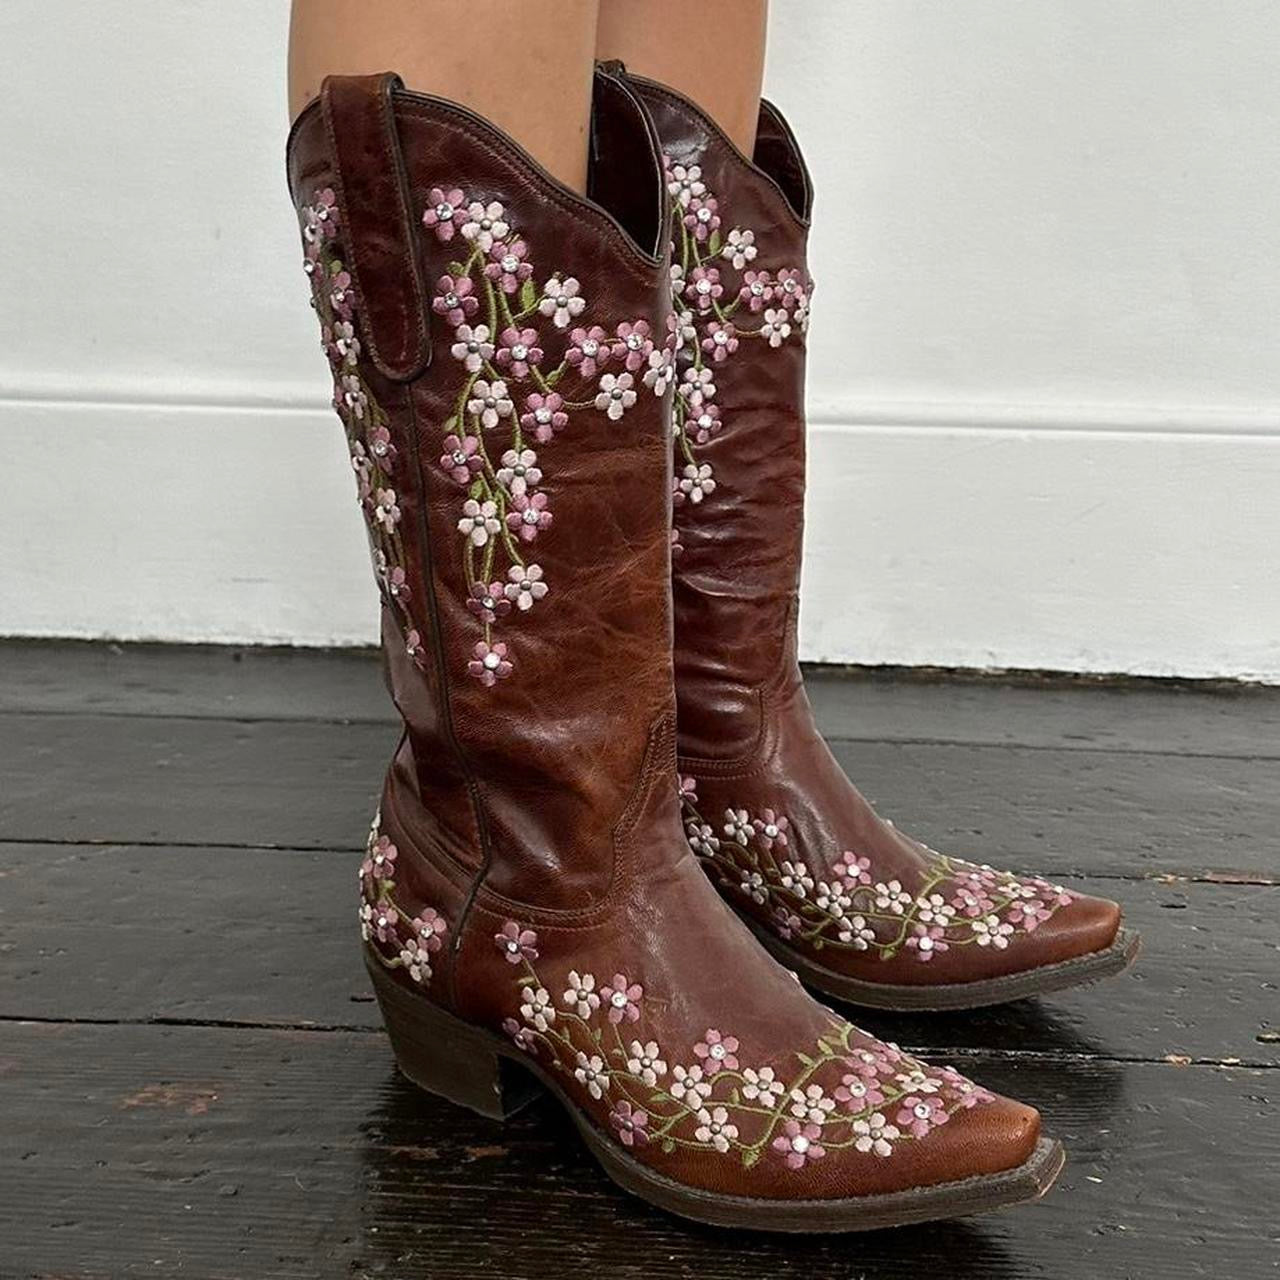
{"x":531,"y":912}
{"x":859,"y":909}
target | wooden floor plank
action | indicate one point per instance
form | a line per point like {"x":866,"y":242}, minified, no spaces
{"x":131,"y":1151}
{"x":269,"y":936}
{"x":313,"y":785}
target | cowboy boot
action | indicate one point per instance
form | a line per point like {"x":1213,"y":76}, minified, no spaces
{"x":859,"y":909}
{"x":530,"y":909}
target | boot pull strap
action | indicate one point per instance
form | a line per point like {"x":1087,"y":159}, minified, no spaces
{"x":373,"y":195}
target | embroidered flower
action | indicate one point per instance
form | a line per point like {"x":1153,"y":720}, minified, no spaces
{"x":488,"y":603}
{"x":489,"y":662}
{"x":633,"y":343}
{"x":684,"y":183}
{"x":479,"y":521}
{"x":518,"y":350}
{"x":508,"y":266}
{"x":927,"y":940}
{"x":757,"y":289}
{"x":799,"y":1143}
{"x":646,"y":1062}
{"x":382,"y":922}
{"x":721,"y":341}
{"x":589,"y":350}
{"x":521,"y":1034}
{"x":380,"y":861}
{"x":875,"y":1135}
{"x":621,"y":999}
{"x":704,"y":287}
{"x":490,"y":401}
{"x":661,"y":372}
{"x":857,"y":1094}
{"x":530,"y":515}
{"x":701,"y":216}
{"x":345,"y":342}
{"x":811,"y":1103}
{"x":544,"y":415}
{"x":581,"y":995}
{"x":853,"y":869}
{"x":771,"y":828}
{"x":688,"y":1086}
{"x":473,"y":346}
{"x":704,"y":422}
{"x":484,"y":224}
{"x":461,"y":458}
{"x":739,"y":248}
{"x":790,"y":287}
{"x":786,"y":922}
{"x":715,"y":1128}
{"x":537,"y":1007}
{"x":934,"y":909}
{"x":444,"y":212}
{"x":455,"y":299}
{"x":694,"y":484}
{"x":687,"y":788}
{"x":717,"y":1051}
{"x":562,"y":300}
{"x":430,"y":926}
{"x":920,"y":1114}
{"x":397,"y":583}
{"x":320,"y":218}
{"x":630,"y":1122}
{"x":738,"y":825}
{"x":515,"y":943}
{"x":796,"y":878}
{"x":892,"y":897}
{"x":697,"y":386}
{"x":413,"y":647}
{"x":776,"y":327}
{"x":525,"y":585}
{"x":616,"y":394}
{"x":991,"y":931}
{"x":414,"y":958}
{"x":701,"y":838}
{"x":592,"y":1073}
{"x":762,"y":1086}
{"x":381,"y":448}
{"x":387,"y":509}
{"x":519,"y":470}
{"x":854,"y":931}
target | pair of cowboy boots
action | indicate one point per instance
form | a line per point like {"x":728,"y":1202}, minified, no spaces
{"x":601,"y":706}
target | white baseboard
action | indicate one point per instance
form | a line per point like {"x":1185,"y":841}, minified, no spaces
{"x":933,"y":539}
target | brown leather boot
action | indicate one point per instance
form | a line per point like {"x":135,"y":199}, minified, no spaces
{"x":498,"y":347}
{"x":859,"y":909}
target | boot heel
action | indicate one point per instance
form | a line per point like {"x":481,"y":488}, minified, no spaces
{"x":445,"y":1056}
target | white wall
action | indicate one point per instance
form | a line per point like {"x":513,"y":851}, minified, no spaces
{"x":1046,"y":345}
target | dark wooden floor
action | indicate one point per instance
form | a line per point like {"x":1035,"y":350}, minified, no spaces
{"x":193,"y":1082}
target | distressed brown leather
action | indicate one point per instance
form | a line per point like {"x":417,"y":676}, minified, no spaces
{"x":528,"y":871}
{"x":748,"y":746}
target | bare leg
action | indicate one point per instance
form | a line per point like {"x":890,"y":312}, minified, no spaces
{"x":525,"y":67}
{"x":723,"y":78}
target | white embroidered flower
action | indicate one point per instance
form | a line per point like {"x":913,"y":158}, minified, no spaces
{"x":856,"y":932}
{"x":616,"y":394}
{"x":915,"y":1080}
{"x":685,"y":182}
{"x":353,"y":395}
{"x":696,"y":482}
{"x":473,"y":346}
{"x":519,"y":470}
{"x":875,"y":1134}
{"x":661,"y":372}
{"x":834,"y":898}
{"x":386,"y":510}
{"x":345,"y":342}
{"x":892,"y":897}
{"x":688,"y":1086}
{"x":698,"y":382}
{"x":796,"y":879}
{"x":525,"y":585}
{"x":752,"y":884}
{"x":415,"y":959}
{"x":485,"y":224}
{"x":366,"y":921}
{"x":646,"y":1062}
{"x":490,"y":401}
{"x":811,"y":1104}
{"x":479,"y":521}
{"x":776,"y":327}
{"x":592,"y":1073}
{"x":991,"y":931}
{"x":935,"y":909}
{"x":738,"y":825}
{"x":715,"y":1127}
{"x":740,"y":247}
{"x":581,"y":995}
{"x":761,"y":1086}
{"x":561,"y":300}
{"x":537,"y":1007}
{"x":701,"y":838}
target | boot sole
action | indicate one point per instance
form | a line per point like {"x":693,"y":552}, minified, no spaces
{"x":1078,"y":971}
{"x":480,"y":1070}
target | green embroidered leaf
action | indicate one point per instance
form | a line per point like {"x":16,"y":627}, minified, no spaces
{"x":456,"y":268}
{"x":713,"y":245}
{"x":804,"y":1057}
{"x":477,"y":489}
{"x":733,"y":1095}
{"x":749,"y":1158}
{"x":450,"y":424}
{"x":553,"y":378}
{"x":528,"y":295}
{"x":824,"y":1046}
{"x":668,"y":1146}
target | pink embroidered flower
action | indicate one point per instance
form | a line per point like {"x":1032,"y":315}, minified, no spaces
{"x":522,"y":1035}
{"x":661,"y":372}
{"x":544,"y":415}
{"x":525,"y":585}
{"x":489,"y":663}
{"x":352,"y":396}
{"x":519,"y":470}
{"x":684,"y":183}
{"x":790,"y":287}
{"x":517,"y":350}
{"x":701,"y":216}
{"x":488,"y":603}
{"x":414,"y":958}
{"x":698,"y":386}
{"x":757,"y":289}
{"x":461,"y":458}
{"x":490,"y":401}
{"x":380,"y":860}
{"x":633,"y":343}
{"x":704,"y":423}
{"x":589,"y":350}
{"x":562,"y":300}
{"x":413,"y":647}
{"x":616,"y":394}
{"x":382,"y":922}
{"x":397,"y":582}
{"x":484,"y":224}
{"x":473,"y":346}
{"x":445,"y":212}
{"x":853,"y":869}
{"x":345,"y":343}
{"x":771,"y":828}
{"x":919,"y":1114}
{"x":965,"y":1092}
{"x":320,"y":218}
{"x":530,"y":515}
{"x":622,"y":999}
{"x":927,"y":941}
{"x":363,"y":469}
{"x":381,"y":449}
{"x":715,"y":1128}
{"x":875,"y":1135}
{"x":688,"y":788}
{"x":1030,"y":914}
{"x":704,"y":287}
{"x":721,"y":341}
{"x":515,"y":943}
{"x":341,"y":294}
{"x":386,"y":510}
{"x":799,"y":1143}
{"x":776,"y":328}
{"x":858,"y":1094}
{"x":694,"y":483}
{"x":507,"y":265}
{"x":455,"y":299}
{"x":739,"y":248}
{"x":786,"y":923}
{"x":479,"y":521}
{"x":630,"y":1123}
{"x":430,"y":927}
{"x":718,"y":1051}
